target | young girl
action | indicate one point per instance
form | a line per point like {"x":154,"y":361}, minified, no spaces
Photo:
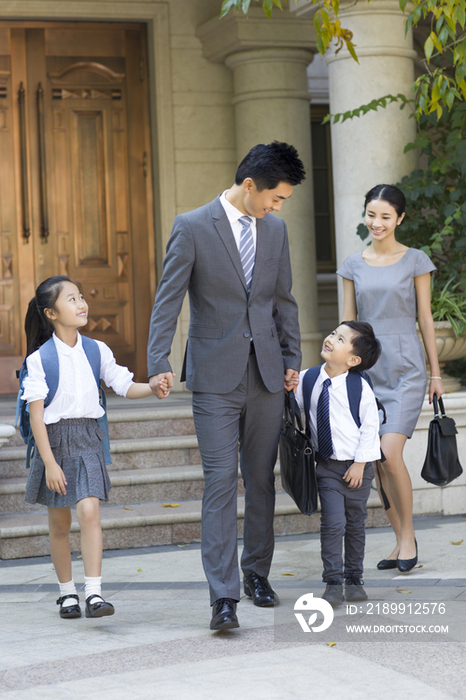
{"x":388,"y":284}
{"x":68,"y":467}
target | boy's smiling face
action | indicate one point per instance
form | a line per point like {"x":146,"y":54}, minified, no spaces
{"x":337,"y":350}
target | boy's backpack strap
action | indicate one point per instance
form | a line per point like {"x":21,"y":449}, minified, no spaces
{"x":309,"y":381}
{"x":49,"y":358}
{"x":92,"y":351}
{"x":354,"y":390}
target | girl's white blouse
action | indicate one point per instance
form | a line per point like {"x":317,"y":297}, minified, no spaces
{"x":77,"y":394}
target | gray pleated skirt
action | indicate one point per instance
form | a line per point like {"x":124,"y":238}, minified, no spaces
{"x":77,"y":447}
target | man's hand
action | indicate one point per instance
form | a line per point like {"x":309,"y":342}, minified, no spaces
{"x":354,"y":475}
{"x":291,"y":379}
{"x":161,"y":384}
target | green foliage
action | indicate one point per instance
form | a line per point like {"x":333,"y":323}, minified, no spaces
{"x":371,"y":106}
{"x":448,"y":304}
{"x":436,"y":196}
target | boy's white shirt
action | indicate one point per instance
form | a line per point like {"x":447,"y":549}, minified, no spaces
{"x":349,"y":442}
{"x":77,"y":395}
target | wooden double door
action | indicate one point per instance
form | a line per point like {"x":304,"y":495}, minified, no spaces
{"x":75,"y":180}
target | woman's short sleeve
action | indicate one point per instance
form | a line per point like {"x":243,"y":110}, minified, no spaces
{"x":423,"y":264}
{"x":346,"y":269}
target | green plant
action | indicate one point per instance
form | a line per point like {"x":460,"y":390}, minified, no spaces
{"x":449,"y":305}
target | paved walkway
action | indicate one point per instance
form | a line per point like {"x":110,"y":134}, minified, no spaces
{"x":158,"y":643}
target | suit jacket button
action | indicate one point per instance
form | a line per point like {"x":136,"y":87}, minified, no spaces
{"x":245,"y":335}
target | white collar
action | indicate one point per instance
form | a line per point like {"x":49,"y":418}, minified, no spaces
{"x":231,"y":211}
{"x":336,"y":381}
{"x":64,"y":348}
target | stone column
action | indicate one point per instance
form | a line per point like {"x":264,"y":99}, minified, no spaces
{"x":269,"y":59}
{"x":368,"y":150}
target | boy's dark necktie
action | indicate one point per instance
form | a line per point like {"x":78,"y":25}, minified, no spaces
{"x":324,"y":433}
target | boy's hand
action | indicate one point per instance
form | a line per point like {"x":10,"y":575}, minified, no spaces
{"x":291,"y":379}
{"x":354,"y":475}
{"x":55,"y":478}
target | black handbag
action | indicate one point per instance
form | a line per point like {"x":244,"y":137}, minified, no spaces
{"x":441,"y":465}
{"x":297,"y":466}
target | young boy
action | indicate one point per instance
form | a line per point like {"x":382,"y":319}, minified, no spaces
{"x":344,"y":454}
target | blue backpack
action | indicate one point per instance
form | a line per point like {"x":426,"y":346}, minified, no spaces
{"x":354,"y":391}
{"x":353,"y":388}
{"x":50,"y":364}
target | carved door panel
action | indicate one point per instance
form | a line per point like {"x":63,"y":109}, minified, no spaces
{"x":83,"y":205}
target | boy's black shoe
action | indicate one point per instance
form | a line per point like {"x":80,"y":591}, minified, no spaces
{"x":69,"y":611}
{"x":354,"y":591}
{"x":333,"y":593}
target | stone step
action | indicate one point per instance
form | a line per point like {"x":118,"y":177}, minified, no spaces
{"x":131,"y":423}
{"x":139,"y":453}
{"x":130,"y":486}
{"x":148,"y":524}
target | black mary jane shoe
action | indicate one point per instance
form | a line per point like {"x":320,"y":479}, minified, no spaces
{"x":386,"y":564}
{"x":98,"y":609}
{"x":405,"y":565}
{"x":69,"y":611}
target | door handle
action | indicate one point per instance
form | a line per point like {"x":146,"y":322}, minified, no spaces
{"x":24,"y":161}
{"x":44,"y":231}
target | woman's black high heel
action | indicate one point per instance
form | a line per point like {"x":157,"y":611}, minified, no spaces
{"x":405,"y":565}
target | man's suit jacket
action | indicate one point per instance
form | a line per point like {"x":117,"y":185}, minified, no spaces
{"x":203,"y":259}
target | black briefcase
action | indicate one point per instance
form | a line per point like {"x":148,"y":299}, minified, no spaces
{"x":297,"y":464}
{"x":441,"y":465}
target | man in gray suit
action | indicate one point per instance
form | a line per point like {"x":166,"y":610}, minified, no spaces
{"x":232,"y":258}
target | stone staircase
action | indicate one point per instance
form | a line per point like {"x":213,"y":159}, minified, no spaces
{"x":157,"y":485}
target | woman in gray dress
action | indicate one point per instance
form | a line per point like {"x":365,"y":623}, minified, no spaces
{"x":388,"y":284}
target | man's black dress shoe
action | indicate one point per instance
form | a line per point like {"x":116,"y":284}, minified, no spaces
{"x":259,"y":589}
{"x":67,"y":611}
{"x":386,"y":564}
{"x":405,"y":565}
{"x":99,"y":608}
{"x":224,"y":615}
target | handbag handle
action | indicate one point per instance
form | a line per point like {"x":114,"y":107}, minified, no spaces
{"x":438,"y":402}
{"x":292,"y":412}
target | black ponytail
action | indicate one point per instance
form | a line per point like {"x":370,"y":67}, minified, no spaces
{"x":37,"y":326}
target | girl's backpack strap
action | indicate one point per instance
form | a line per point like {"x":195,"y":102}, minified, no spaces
{"x":49,"y":358}
{"x":309,"y":380}
{"x":92,"y":351}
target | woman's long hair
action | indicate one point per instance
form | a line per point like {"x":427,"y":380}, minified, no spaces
{"x":37,"y":326}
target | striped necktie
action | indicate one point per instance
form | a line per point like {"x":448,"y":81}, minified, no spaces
{"x":246,"y":250}
{"x":324,"y":433}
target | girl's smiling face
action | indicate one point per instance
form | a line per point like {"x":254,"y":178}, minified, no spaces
{"x":70,"y":309}
{"x":381,"y":219}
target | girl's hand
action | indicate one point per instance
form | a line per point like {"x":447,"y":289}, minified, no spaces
{"x":436,"y":387}
{"x":55,"y":479}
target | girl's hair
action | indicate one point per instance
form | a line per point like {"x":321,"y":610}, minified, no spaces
{"x":37,"y":326}
{"x":390,"y":194}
